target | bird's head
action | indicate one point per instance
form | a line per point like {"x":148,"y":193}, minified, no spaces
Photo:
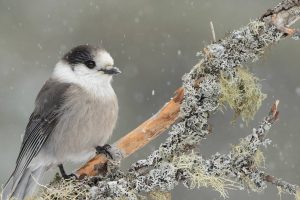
{"x":86,"y":59}
{"x":86,"y":63}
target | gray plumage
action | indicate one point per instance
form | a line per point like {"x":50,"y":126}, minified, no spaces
{"x":75,"y":111}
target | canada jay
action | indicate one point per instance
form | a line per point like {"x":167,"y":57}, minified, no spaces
{"x":75,"y":113}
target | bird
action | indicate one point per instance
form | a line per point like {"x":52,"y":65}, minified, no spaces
{"x":74,"y":115}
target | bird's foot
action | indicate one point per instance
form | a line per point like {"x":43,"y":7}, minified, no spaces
{"x":105,"y":149}
{"x":64,"y":174}
{"x":114,"y":157}
{"x":69,"y":176}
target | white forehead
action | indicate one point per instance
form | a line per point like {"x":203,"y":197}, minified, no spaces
{"x":103,"y":58}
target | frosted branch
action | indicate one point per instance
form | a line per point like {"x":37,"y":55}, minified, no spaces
{"x":175,"y":161}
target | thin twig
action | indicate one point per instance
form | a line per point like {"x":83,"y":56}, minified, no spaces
{"x":285,"y":186}
{"x":213,"y":31}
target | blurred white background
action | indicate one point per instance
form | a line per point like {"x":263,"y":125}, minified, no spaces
{"x":154,"y":43}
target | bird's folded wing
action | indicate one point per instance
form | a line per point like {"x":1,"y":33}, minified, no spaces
{"x":41,"y":123}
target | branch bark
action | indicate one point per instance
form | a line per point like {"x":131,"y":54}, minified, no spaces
{"x":285,"y":186}
{"x":282,"y":17}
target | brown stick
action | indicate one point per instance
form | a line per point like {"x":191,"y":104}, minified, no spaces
{"x":139,"y":137}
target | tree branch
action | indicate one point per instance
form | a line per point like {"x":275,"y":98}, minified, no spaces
{"x":226,"y":54}
{"x":283,"y":185}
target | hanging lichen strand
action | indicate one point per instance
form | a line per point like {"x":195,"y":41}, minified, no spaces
{"x":243,"y":94}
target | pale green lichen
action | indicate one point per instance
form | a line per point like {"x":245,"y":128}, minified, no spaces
{"x":159,"y":195}
{"x":243,"y":93}
{"x":250,"y":184}
{"x":259,"y":159}
{"x":64,"y":189}
{"x":297,"y":196}
{"x":198,"y":176}
{"x":243,"y":150}
{"x":279,"y":192}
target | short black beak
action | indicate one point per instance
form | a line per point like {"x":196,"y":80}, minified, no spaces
{"x":111,"y":71}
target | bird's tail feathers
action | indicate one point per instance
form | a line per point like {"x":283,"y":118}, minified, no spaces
{"x":24,"y":186}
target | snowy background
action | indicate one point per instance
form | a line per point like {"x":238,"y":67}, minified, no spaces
{"x":154,"y":43}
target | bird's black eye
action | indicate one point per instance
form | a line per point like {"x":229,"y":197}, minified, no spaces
{"x":90,"y":64}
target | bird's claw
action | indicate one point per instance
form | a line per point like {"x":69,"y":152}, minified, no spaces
{"x":69,"y":176}
{"x":64,"y":174}
{"x":105,"y":149}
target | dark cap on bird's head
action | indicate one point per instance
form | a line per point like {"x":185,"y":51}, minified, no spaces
{"x":93,"y":58}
